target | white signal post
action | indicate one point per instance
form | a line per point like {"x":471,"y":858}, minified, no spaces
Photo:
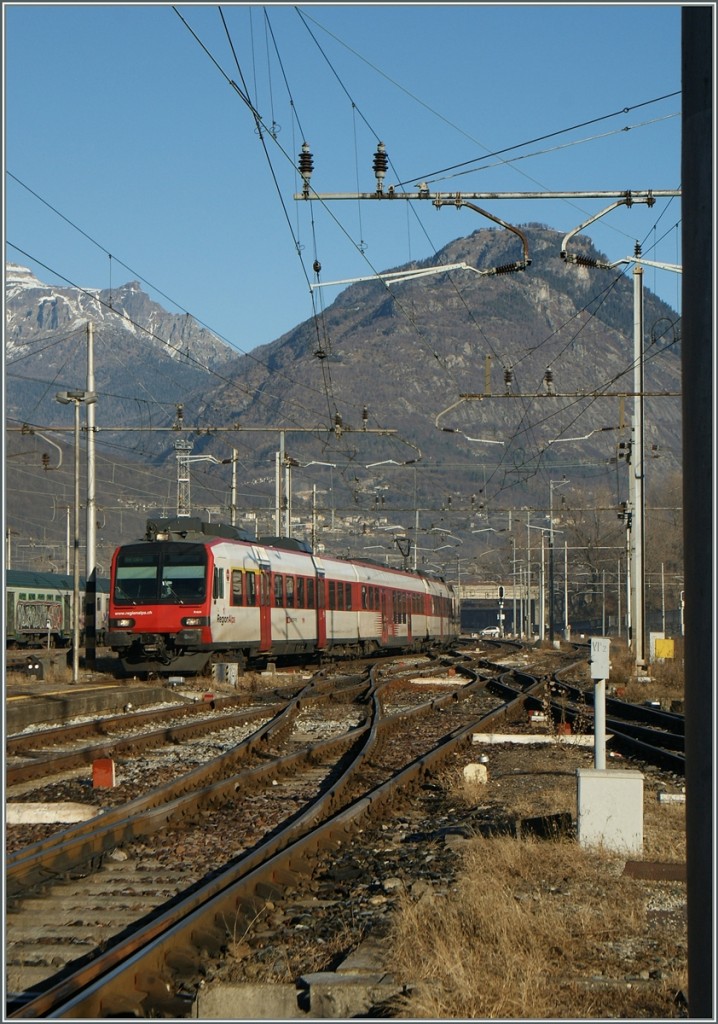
{"x":600,"y":669}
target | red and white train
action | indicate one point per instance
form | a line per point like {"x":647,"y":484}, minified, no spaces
{"x":193,"y":593}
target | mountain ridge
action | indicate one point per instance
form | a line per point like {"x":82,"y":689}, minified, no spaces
{"x":468,"y":387}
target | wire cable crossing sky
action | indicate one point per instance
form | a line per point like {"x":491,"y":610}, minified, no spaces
{"x":146,"y":159}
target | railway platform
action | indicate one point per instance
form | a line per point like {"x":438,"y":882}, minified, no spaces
{"x":31,"y":701}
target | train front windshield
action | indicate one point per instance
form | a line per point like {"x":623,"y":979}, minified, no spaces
{"x":163,"y":573}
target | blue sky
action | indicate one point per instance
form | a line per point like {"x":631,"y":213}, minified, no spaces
{"x":126,"y":124}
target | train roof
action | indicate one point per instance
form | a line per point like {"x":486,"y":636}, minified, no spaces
{"x":182,"y":527}
{"x":49,"y":580}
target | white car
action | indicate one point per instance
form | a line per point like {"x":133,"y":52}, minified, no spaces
{"x":491,"y":631}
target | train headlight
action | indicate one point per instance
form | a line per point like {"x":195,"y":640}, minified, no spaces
{"x":196,"y":620}
{"x":121,"y":623}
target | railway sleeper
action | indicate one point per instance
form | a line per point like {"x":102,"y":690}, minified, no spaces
{"x":122,"y":1004}
{"x":211,"y":940}
{"x":273,"y":890}
{"x":159,"y":995}
{"x":183,"y":959}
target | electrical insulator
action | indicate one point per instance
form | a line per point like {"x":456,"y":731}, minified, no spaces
{"x":365,"y":417}
{"x":585,"y":261}
{"x":316,"y":266}
{"x":306,"y":165}
{"x":380,"y":164}
{"x":45,"y":460}
{"x":180,"y":413}
{"x":337,"y":425}
{"x":508,"y":377}
{"x":548,"y":380}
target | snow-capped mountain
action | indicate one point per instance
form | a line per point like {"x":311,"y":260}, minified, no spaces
{"x":45,"y":349}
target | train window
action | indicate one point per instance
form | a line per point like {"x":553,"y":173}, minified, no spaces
{"x":348,"y":596}
{"x":310,"y":593}
{"x":363,"y":597}
{"x":251,"y":589}
{"x":340,"y":596}
{"x":290,"y":591}
{"x":332,"y":594}
{"x":278,"y":591}
{"x":236,"y":598}
{"x":300,"y":592}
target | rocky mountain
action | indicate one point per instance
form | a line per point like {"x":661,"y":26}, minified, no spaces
{"x":525,"y":345}
{"x":45,"y":347}
{"x":468,"y":389}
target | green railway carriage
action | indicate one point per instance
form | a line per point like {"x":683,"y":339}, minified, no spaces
{"x":38,"y":608}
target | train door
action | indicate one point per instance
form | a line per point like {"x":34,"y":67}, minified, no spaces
{"x":321,"y":599}
{"x":265,"y":611}
{"x":387,"y":614}
{"x":408,"y":600}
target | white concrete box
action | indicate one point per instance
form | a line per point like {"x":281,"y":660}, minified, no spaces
{"x":610,"y":809}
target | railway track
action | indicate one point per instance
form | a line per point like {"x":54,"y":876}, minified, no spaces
{"x":282,"y":811}
{"x":125,"y":914}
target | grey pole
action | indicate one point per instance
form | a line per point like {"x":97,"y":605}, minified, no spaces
{"x":75,"y":398}
{"x":91,"y":528}
{"x":637,"y":475}
{"x":76,"y":554}
{"x":233,"y":510}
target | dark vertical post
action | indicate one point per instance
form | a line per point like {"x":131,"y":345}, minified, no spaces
{"x":551,"y":619}
{"x":698,"y":338}
{"x":91,"y":619}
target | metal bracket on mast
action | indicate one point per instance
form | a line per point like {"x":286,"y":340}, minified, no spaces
{"x":588,"y":261}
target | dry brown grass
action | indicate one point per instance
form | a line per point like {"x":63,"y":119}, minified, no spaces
{"x":542,"y":930}
{"x":545,"y":929}
{"x":665,"y":678}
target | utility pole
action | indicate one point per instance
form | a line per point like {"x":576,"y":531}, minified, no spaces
{"x":566,"y":626}
{"x":552,"y":484}
{"x":91,"y":539}
{"x":76,"y":398}
{"x":638,"y":504}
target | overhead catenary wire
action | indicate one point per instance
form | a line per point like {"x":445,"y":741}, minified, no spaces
{"x":437,"y":356}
